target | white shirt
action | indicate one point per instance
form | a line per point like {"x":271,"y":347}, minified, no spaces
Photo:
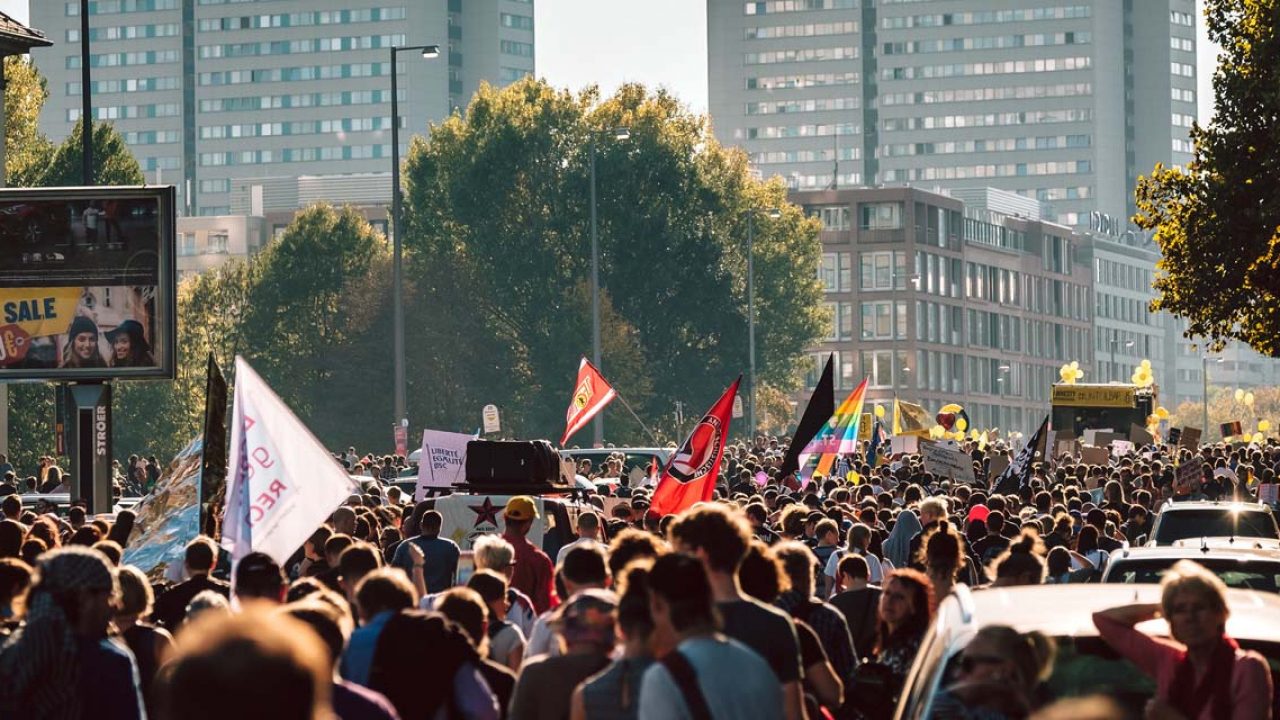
{"x":580,"y":541}
{"x":875,"y":567}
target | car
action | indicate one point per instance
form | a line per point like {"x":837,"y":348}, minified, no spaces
{"x":1248,"y":563}
{"x":1181,"y":520}
{"x":1085,"y":664}
{"x":635,"y":458}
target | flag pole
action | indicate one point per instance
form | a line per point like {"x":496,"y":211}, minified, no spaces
{"x":652,"y":437}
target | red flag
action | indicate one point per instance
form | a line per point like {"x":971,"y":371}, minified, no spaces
{"x":691,"y":473}
{"x":590,"y":395}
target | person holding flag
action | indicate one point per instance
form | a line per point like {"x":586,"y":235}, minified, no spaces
{"x":690,"y":476}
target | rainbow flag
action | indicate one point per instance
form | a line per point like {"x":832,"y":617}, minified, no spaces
{"x":838,"y":436}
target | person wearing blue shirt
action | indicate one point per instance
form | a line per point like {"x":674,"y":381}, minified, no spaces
{"x":379,"y":596}
{"x":440,"y":555}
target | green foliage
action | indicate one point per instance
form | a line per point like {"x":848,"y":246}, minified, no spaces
{"x":27,"y":151}
{"x":113,"y":162}
{"x":1217,"y":221}
{"x":497,"y":219}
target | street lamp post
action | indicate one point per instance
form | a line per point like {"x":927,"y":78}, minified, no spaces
{"x":773,"y":213}
{"x":620,"y":133}
{"x":397,"y":263}
{"x":1204,"y":377}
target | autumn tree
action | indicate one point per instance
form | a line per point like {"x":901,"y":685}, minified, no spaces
{"x":1217,"y":220}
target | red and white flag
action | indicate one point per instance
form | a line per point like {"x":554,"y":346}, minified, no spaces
{"x":590,"y":395}
{"x":691,"y":473}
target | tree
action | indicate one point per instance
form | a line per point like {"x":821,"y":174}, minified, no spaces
{"x":27,"y":150}
{"x":497,"y":224}
{"x":1217,"y":220}
{"x":1224,"y":408}
{"x":113,"y":162}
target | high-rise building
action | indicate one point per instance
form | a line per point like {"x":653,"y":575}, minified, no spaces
{"x":1066,"y":102}
{"x":964,"y":297}
{"x":217,"y":96}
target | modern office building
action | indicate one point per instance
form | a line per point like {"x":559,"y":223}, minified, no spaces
{"x":212,"y":94}
{"x":968,"y":298}
{"x":1067,"y":102}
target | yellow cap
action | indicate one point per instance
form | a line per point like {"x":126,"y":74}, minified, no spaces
{"x":521,"y":508}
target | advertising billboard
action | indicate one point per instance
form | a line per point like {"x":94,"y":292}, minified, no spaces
{"x":87,"y":283}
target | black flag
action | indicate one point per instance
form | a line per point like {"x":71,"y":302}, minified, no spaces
{"x":213,"y":460}
{"x":822,"y":405}
{"x":1018,"y":474}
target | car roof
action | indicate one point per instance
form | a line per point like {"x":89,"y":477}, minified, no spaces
{"x":626,"y":450}
{"x":1067,"y":610}
{"x":1240,"y":550}
{"x":1171,"y":506}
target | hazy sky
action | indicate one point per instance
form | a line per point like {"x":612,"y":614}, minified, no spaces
{"x":657,"y":42}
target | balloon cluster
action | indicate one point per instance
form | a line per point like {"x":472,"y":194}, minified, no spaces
{"x":1070,"y":372}
{"x":1142,"y":376}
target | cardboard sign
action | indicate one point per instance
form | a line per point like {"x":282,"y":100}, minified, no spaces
{"x":1091,"y":436}
{"x":1120,"y":448}
{"x":944,"y":462}
{"x":1190,"y":438}
{"x":997,"y":465}
{"x":1175,"y":436}
{"x":491,"y":420}
{"x":442,"y":461}
{"x":1231,"y":429}
{"x":1064,"y":447}
{"x":1188,"y":476}
{"x":1094,"y":456}
{"x":1139,"y":436}
{"x":904,"y":444}
{"x":864,"y":426}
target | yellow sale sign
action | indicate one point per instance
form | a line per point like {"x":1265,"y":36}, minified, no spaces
{"x":39,"y":311}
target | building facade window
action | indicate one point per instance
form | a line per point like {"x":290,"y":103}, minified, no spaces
{"x":880,"y":216}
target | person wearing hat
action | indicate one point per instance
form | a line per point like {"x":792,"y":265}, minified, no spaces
{"x":61,"y":664}
{"x":129,"y":348}
{"x":533,"y":574}
{"x":546,"y":683}
{"x":81,"y":350}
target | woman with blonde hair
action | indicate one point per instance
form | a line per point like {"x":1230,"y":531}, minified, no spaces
{"x":998,"y":672}
{"x":150,"y":645}
{"x":1202,"y":674}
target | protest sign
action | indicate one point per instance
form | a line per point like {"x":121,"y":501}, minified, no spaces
{"x":1091,"y":436}
{"x":1175,"y":436}
{"x":997,"y":465}
{"x":1231,"y":429}
{"x":1190,"y":438}
{"x":1139,"y":436}
{"x":903,"y":444}
{"x":1090,"y":455}
{"x":489,"y":415}
{"x":443,"y":457}
{"x":1064,"y":447}
{"x":1188,"y":476}
{"x":947,"y":463}
{"x":1120,"y":448}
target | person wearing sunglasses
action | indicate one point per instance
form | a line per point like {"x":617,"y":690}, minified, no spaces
{"x":996,"y":676}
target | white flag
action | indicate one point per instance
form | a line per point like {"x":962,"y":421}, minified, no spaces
{"x":282,"y":483}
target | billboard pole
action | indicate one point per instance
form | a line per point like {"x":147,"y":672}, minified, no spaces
{"x":86,"y":102}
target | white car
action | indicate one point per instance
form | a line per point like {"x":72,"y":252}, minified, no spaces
{"x":1183,"y":520}
{"x":1085,"y":664}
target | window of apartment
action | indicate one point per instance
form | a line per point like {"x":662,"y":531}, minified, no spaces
{"x":884,"y":270}
{"x":218,"y":242}
{"x":186,"y":243}
{"x":836,"y":272}
{"x":884,"y":320}
{"x":519,"y":22}
{"x":880,"y":216}
{"x":885,"y":368}
{"x":833,"y":217}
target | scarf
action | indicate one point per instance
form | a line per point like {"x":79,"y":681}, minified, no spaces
{"x":1190,"y":697}
{"x":40,"y":661}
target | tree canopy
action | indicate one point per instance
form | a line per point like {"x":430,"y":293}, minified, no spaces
{"x":498,"y":224}
{"x":1217,"y":220}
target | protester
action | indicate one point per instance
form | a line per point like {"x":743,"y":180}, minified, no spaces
{"x":802,"y":603}
{"x":532,"y":574}
{"x":906,"y":609}
{"x":858,"y":601}
{"x":707,"y":675}
{"x":491,"y":552}
{"x":149,"y":644}
{"x":379,"y":596}
{"x":198,"y":561}
{"x":465,"y":607}
{"x":586,"y":626}
{"x":584,"y":568}
{"x":60,"y":662}
{"x":614,"y":693}
{"x":1202,"y":673}
{"x":505,"y":640}
{"x":588,"y":532}
{"x":440,"y":555}
{"x":1000,"y":670}
{"x":427,"y":667}
{"x":259,"y":578}
{"x":254,"y":664}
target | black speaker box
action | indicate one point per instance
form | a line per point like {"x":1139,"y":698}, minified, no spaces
{"x":502,"y":461}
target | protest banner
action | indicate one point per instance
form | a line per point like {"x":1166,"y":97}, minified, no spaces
{"x":1139,"y":436}
{"x":1189,"y":475}
{"x":1190,"y":438}
{"x":1090,"y":455}
{"x":441,"y":464}
{"x":945,"y":462}
{"x":1120,"y":448}
{"x":1231,"y":429}
{"x":1175,"y":436}
{"x":169,"y":516}
{"x":1091,"y":436}
{"x":903,"y":444}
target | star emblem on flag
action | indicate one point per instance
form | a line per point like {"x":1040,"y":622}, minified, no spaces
{"x":485,"y":512}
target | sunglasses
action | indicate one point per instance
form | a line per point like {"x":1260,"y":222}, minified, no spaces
{"x":969,"y":663}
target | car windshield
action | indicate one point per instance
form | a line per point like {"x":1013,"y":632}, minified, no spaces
{"x":1177,"y":525}
{"x":1087,"y":666}
{"x":1253,"y":575}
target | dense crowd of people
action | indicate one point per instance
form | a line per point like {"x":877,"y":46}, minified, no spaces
{"x":779,"y":599}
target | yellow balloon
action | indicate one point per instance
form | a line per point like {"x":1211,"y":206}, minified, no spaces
{"x":1248,"y":399}
{"x":1246,"y":437}
{"x":1239,"y":395}
{"x":973,"y":434}
{"x":1152,"y":420}
{"x":936,"y":431}
{"x":1264,"y":425}
{"x":1162,"y":413}
{"x":1146,"y":364}
{"x":950,"y":408}
{"x":880,"y":411}
{"x":962,"y":425}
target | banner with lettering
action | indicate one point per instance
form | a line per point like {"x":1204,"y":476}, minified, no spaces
{"x":441,"y":462}
{"x":282,"y":483}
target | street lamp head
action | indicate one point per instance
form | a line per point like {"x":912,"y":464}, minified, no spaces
{"x":621,"y":133}
{"x":431,"y":52}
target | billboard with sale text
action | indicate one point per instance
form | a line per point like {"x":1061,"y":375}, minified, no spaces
{"x":87,"y":283}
